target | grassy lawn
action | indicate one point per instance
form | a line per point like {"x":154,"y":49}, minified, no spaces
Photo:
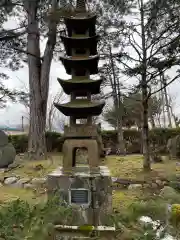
{"x":28,"y":168}
{"x":131,"y":167}
{"x":8,"y":194}
{"x":123,"y":167}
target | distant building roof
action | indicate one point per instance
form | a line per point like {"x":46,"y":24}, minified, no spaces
{"x":6,"y":128}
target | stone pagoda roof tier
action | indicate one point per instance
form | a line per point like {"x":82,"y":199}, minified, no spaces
{"x":80,"y":24}
{"x":80,"y":108}
{"x":80,"y":64}
{"x":80,"y":42}
{"x":80,"y":86}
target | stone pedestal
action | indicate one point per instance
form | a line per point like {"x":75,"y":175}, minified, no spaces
{"x":89,"y":194}
{"x":69,"y":149}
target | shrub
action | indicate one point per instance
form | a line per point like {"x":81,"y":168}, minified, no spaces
{"x":20,"y":142}
{"x":54,"y":142}
{"x":19,"y":220}
{"x":158,"y":137}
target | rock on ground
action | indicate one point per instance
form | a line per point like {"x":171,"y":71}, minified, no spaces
{"x":7,"y":155}
{"x":21,"y":182}
{"x":38,"y":181}
{"x":28,"y":186}
{"x":168,"y":193}
{"x":3,"y":138}
{"x":10,"y":180}
{"x":134,"y":186}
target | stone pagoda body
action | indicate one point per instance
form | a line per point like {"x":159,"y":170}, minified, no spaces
{"x":87,"y":187}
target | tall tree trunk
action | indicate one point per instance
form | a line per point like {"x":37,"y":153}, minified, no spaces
{"x":49,"y":120}
{"x":159,"y":120}
{"x":163,"y":103}
{"x":144,"y":86}
{"x":39,"y":69}
{"x":152,"y":122}
{"x":174,"y":117}
{"x":145,"y":129}
{"x":118,"y":105}
{"x":172,"y":112}
{"x":166,"y":100}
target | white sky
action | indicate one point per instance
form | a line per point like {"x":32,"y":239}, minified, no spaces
{"x":12,"y":114}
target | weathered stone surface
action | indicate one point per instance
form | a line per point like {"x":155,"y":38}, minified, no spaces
{"x":81,"y":130}
{"x":81,"y":156}
{"x":20,"y":183}
{"x":28,"y":186}
{"x":71,"y":145}
{"x":7,"y":155}
{"x":13,"y":165}
{"x":3,"y":138}
{"x":154,"y":185}
{"x":2,"y":170}
{"x":10,"y":180}
{"x":58,"y":181}
{"x":38,"y":167}
{"x":7,"y":151}
{"x":159,"y":182}
{"x":38,"y":181}
{"x":146,"y":185}
{"x":165,"y":183}
{"x":1,"y":179}
{"x":168,"y":193}
{"x":173,"y":147}
{"x":134,"y":186}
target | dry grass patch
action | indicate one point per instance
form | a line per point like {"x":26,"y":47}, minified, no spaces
{"x":132,"y":167}
{"x":122,"y":199}
{"x":8,"y":194}
{"x":128,"y":167}
{"x":36,"y":168}
{"x":122,"y":167}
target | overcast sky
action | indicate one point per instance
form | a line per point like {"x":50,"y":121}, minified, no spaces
{"x":13,"y":113}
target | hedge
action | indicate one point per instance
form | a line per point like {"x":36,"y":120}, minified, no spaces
{"x":54,"y":142}
{"x":158,"y":136}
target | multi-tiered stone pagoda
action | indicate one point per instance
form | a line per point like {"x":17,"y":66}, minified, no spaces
{"x":87,"y":188}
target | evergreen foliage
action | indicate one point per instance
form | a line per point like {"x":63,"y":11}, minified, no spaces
{"x":20,"y":220}
{"x":158,"y":136}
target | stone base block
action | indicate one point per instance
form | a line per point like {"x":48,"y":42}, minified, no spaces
{"x":75,"y":232}
{"x":88,"y":194}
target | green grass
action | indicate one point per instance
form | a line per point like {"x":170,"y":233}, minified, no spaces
{"x":8,"y":194}
{"x":131,"y":167}
{"x":28,"y":168}
{"x":122,"y":167}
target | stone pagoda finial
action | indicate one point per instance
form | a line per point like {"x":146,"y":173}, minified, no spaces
{"x":81,"y":5}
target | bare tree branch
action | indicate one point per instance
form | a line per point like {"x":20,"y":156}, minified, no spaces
{"x":166,"y":85}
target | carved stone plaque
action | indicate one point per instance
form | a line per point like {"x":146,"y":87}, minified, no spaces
{"x":81,"y":131}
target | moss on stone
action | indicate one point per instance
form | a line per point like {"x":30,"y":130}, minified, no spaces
{"x":86,"y":228}
{"x":175,"y":212}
